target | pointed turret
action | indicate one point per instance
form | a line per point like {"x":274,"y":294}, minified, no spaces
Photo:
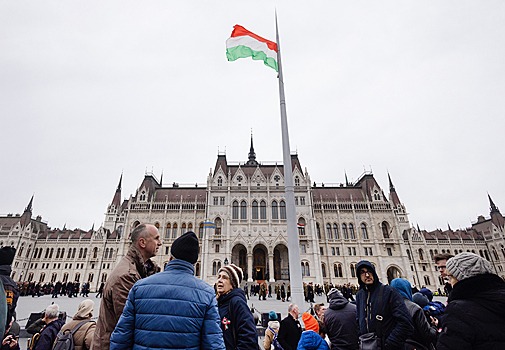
{"x":393,"y":196}
{"x":496,"y":216}
{"x":346,"y":181}
{"x":252,"y":154}
{"x":27,"y":214}
{"x":418,"y":229}
{"x":116,"y":201}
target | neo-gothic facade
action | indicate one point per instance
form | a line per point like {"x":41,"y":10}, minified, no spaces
{"x":240,"y":217}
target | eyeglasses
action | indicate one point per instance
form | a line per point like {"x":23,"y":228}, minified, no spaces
{"x":441,"y":267}
{"x":362,"y":273}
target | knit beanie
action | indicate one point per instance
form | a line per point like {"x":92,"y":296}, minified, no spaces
{"x":186,"y":247}
{"x":466,"y":265}
{"x":310,"y":322}
{"x":234,"y":272}
{"x":427,"y":293}
{"x":420,"y":299}
{"x":332,"y":291}
{"x":7,"y":255}
{"x":272,"y":316}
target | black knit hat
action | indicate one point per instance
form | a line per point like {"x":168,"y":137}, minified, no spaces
{"x":234,"y":272}
{"x":7,"y":255}
{"x":186,"y":247}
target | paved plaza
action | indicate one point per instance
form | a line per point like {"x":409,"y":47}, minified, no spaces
{"x":27,"y":305}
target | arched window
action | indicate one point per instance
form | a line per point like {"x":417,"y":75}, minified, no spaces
{"x":318,"y":230}
{"x":42,"y":277}
{"x":62,"y":252}
{"x":282,"y":209}
{"x":243,"y":210}
{"x":200,"y":230}
{"x":106,"y":253}
{"x":216,"y":265}
{"x":502,"y":250}
{"x":95,"y":253}
{"x":47,"y":253}
{"x":77,"y":277}
{"x":364,"y":231}
{"x":80,"y":253}
{"x":90,"y":277}
{"x":485,"y":253}
{"x":167,"y":230}
{"x":297,"y":181}
{"x":385,"y":229}
{"x":337,"y":270}
{"x":85,"y":253}
{"x":335,"y":231}
{"x":197,"y":269}
{"x":190,"y":226}
{"x":495,"y":254}
{"x":408,"y":254}
{"x":174,"y":230}
{"x":301,"y":227}
{"x":421,"y":254}
{"x":351,"y":231}
{"x":329,"y":234}
{"x":58,"y":253}
{"x":275,"y":211}
{"x":219,"y":223}
{"x":323,"y":270}
{"x":234,"y":211}
{"x":263,"y":210}
{"x":353,"y":270}
{"x":220,"y":181}
{"x":183,"y":228}
{"x":344,"y":231}
{"x":53,"y":277}
{"x":427,"y":280}
{"x":305,"y":269}
{"x":431,"y":254}
{"x":255,"y":213}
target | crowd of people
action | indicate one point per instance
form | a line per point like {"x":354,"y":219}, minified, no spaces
{"x":70,"y":289}
{"x":143,"y":308}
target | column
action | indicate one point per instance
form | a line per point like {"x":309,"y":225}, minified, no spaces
{"x":249,"y":267}
{"x":271,"y":267}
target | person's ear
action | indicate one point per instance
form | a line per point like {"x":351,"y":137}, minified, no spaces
{"x":142,"y":242}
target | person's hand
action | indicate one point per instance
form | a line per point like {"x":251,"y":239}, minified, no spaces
{"x":11,"y":340}
{"x":434,"y":321}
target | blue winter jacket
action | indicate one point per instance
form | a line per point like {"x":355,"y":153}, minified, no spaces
{"x":396,"y":325}
{"x":237,"y":321}
{"x":169,"y":310}
{"x":310,"y":340}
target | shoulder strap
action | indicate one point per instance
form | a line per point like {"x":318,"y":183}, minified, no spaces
{"x":79,"y":325}
{"x":379,"y":317}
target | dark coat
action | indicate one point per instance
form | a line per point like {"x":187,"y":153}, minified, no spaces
{"x":11,"y":291}
{"x":169,"y":310}
{"x":48,"y":335}
{"x":396,"y":325}
{"x":237,"y":321}
{"x":129,"y":270}
{"x":340,"y":322}
{"x":289,"y":333}
{"x":475,"y":316}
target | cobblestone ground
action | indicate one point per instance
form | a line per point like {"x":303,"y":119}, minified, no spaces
{"x":27,"y":305}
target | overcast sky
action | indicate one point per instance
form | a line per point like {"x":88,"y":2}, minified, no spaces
{"x":90,"y":89}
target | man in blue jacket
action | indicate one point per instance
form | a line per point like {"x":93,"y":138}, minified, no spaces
{"x":387,"y":317}
{"x":172,"y":309}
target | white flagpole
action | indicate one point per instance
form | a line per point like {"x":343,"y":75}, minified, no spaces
{"x":295,"y":269}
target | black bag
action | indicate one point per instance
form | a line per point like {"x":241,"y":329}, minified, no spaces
{"x":65,"y":340}
{"x":369,"y":341}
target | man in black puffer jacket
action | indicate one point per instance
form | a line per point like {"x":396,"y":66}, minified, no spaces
{"x":340,"y":322}
{"x":475,"y":316}
{"x":395,"y":324}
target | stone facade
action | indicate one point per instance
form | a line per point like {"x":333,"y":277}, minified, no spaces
{"x":240,"y":217}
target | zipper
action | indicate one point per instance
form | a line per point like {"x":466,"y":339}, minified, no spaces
{"x":367,"y":310}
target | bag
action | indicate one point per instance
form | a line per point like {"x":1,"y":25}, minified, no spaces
{"x":275,"y":341}
{"x":65,"y":340}
{"x":411,"y":344}
{"x":369,"y":341}
{"x":33,"y":341}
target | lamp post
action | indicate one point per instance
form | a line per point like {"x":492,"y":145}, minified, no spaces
{"x":225,"y":261}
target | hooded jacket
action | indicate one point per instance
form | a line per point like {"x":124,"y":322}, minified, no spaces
{"x":129,"y":270}
{"x":83,"y":337}
{"x":340,"y":323}
{"x":11,"y":291}
{"x":237,"y":321}
{"x":269,"y":336}
{"x":396,"y":325}
{"x":424,"y":333}
{"x":48,"y":335}
{"x":475,"y":315}
{"x":169,"y":310}
{"x":310,"y":340}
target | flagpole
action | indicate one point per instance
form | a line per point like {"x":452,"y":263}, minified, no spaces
{"x":295,"y":270}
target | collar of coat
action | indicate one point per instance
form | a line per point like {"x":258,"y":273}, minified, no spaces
{"x":145,"y":268}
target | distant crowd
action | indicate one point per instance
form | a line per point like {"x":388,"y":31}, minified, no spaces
{"x":143,"y":308}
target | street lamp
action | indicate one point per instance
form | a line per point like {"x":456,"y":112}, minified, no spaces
{"x":225,"y":261}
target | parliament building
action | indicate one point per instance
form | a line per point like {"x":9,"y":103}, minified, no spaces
{"x":240,"y":217}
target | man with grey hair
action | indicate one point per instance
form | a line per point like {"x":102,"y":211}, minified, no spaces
{"x":290,"y":329}
{"x":51,"y":329}
{"x":135,"y":265}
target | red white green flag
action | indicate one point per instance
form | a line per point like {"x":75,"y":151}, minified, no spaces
{"x":244,"y":43}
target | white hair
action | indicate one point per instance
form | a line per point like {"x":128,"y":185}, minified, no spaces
{"x":52,"y":311}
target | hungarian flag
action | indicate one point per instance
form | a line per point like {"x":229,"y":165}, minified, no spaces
{"x":244,"y":43}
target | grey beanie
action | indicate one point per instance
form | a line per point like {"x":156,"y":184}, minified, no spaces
{"x":466,"y":265}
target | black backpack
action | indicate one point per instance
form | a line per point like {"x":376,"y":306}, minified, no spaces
{"x":65,"y":340}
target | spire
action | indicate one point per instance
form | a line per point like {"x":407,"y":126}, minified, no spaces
{"x":161,"y":179}
{"x":449,"y":227}
{"x":346,"y":181}
{"x":493,"y":207}
{"x":393,"y":196}
{"x":418,"y":229}
{"x":29,"y":207}
{"x":116,"y":201}
{"x":252,"y":155}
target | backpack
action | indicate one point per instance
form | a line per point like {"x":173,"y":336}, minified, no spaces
{"x":65,"y":340}
{"x":275,"y":341}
